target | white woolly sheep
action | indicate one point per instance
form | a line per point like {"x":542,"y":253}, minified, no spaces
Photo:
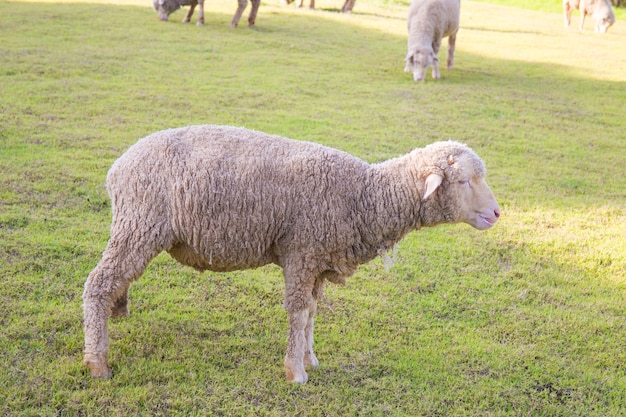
{"x":428,"y":22}
{"x":166,"y":7}
{"x":600,"y":10}
{"x":223,"y":198}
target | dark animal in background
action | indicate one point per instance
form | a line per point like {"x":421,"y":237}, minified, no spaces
{"x":166,"y":7}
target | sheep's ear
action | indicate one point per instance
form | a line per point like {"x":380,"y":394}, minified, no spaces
{"x":433,"y":181}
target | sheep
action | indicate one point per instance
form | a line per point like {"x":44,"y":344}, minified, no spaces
{"x":347,"y":6}
{"x":428,"y":22}
{"x":600,"y":10}
{"x":166,"y":7}
{"x":222,"y":198}
{"x":301,"y":3}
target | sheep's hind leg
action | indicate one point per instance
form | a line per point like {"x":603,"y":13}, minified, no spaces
{"x":451,"y":47}
{"x":309,"y":356}
{"x":106,"y":294}
{"x":120,"y":306}
{"x":253,"y":12}
{"x":200,"y":21}
{"x":296,"y":345}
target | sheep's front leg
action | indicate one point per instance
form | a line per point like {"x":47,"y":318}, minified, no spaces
{"x":241,"y":6}
{"x":296,"y":346}
{"x":436,"y":45}
{"x":567,"y":14}
{"x":451,"y":47}
{"x":582,"y":18}
{"x":192,"y":7}
{"x":436,"y":73}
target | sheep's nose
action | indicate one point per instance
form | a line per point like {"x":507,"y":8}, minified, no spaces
{"x":496,"y":213}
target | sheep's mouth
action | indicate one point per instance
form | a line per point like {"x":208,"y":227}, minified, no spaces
{"x":488,"y":221}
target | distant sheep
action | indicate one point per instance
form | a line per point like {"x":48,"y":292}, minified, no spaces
{"x":428,"y":22}
{"x":301,"y":3}
{"x":224,"y":198}
{"x":347,"y":6}
{"x":600,"y":10}
{"x":166,"y":7}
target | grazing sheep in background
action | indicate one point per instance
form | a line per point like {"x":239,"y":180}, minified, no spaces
{"x":600,"y":10}
{"x":166,"y":7}
{"x":428,"y":22}
{"x":347,"y":6}
{"x":301,"y":3}
{"x":223,"y":198}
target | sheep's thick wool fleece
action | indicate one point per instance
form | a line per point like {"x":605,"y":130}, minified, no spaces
{"x":224,"y":198}
{"x":431,"y":20}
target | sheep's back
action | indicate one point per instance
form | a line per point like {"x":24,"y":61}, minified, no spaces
{"x":237,"y":198}
{"x":432,"y":19}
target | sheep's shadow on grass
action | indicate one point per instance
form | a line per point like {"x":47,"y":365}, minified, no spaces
{"x":359,"y":13}
{"x":485,"y":29}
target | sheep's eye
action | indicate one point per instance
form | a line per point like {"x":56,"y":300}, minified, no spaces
{"x":464,"y":182}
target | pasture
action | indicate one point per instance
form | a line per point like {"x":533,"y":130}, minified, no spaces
{"x":525,"y":319}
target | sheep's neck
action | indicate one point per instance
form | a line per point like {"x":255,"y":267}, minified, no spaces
{"x":390,"y":204}
{"x":421,"y":43}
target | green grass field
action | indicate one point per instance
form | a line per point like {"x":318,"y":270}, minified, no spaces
{"x":526,"y":319}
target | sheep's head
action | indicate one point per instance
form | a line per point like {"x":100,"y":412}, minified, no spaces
{"x":455,"y":179}
{"x":603,"y":23}
{"x":165,"y":7}
{"x":418,"y":62}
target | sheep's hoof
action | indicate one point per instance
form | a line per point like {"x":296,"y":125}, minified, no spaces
{"x":98,"y":367}
{"x":310,"y":361}
{"x":300,"y":377}
{"x":200,"y":23}
{"x":295,"y":372}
